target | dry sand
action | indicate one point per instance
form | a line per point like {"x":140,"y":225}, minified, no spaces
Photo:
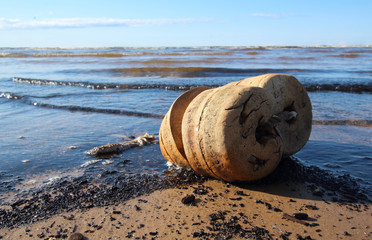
{"x":219,"y":210}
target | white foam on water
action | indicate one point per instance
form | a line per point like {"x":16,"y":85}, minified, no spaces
{"x":107,"y":162}
{"x":87,"y":163}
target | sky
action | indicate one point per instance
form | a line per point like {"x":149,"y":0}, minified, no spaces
{"x":159,"y":23}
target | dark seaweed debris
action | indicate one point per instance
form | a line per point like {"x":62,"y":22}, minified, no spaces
{"x":82,"y":193}
{"x":222,"y":228}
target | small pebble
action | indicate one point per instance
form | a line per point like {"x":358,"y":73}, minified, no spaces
{"x":240,"y":193}
{"x":99,"y":227}
{"x":275,"y":209}
{"x":70,"y":217}
{"x":312,"y":207}
{"x":318,"y":192}
{"x":188,"y":199}
{"x":200,"y":191}
{"x":137,"y":208}
{"x":76,"y":236}
{"x":301,"y":216}
{"x":347,"y":234}
{"x":141,"y":226}
{"x":41,"y":235}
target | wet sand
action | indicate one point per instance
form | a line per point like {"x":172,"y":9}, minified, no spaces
{"x":220,"y":211}
{"x":183,"y":205}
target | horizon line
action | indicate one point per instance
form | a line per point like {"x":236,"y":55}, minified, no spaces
{"x":206,"y":46}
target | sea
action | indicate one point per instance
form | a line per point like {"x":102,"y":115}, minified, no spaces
{"x":58,"y":103}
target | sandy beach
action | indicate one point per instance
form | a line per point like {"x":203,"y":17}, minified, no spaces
{"x":219,"y":211}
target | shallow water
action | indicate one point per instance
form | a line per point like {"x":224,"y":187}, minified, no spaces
{"x":340,"y":149}
{"x":52,"y":99}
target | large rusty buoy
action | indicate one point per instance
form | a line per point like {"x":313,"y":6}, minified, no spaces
{"x":237,"y":132}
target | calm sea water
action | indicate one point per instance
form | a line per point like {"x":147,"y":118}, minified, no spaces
{"x":51,"y":99}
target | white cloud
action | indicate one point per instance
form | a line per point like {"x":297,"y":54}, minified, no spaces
{"x":92,"y":22}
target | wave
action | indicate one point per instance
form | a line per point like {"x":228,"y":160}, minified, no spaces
{"x":11,"y":96}
{"x":353,"y":122}
{"x":170,"y":61}
{"x":104,"y":85}
{"x":119,"y":52}
{"x":191,"y":72}
{"x":360,"y":51}
{"x":24,"y":100}
{"x":107,"y":55}
{"x":297,"y":58}
{"x":14,"y":96}
{"x":349,"y":55}
{"x":120,"y":55}
{"x":351,"y":88}
{"x":99,"y":110}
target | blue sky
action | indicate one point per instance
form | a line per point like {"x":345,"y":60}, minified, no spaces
{"x":135,"y":23}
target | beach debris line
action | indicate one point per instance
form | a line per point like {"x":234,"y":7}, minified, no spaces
{"x":115,"y":148}
{"x":239,"y":131}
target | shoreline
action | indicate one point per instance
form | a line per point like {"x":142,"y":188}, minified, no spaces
{"x":220,"y":211}
{"x":82,"y":198}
